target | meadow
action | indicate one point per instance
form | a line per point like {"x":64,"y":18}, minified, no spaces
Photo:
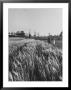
{"x":34,"y":60}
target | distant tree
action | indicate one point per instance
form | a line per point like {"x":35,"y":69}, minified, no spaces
{"x":20,"y":33}
{"x":17,"y":33}
{"x":9,"y":33}
{"x":29,"y":35}
{"x":61,"y":34}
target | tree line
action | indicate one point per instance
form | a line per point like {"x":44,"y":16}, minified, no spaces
{"x":21,"y":34}
{"x":35,"y":36}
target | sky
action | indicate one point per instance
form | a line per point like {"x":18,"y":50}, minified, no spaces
{"x":39,"y":20}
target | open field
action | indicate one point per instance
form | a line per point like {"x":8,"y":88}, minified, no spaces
{"x":58,"y":43}
{"x":34,"y":60}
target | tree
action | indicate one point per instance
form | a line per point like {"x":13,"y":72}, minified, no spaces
{"x":17,"y":33}
{"x":9,"y":33}
{"x":61,"y":34}
{"x":29,"y":35}
{"x":20,"y":33}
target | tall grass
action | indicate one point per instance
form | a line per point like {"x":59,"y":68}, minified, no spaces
{"x":37,"y":61}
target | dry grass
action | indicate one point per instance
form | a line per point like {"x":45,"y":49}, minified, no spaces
{"x":34,"y":61}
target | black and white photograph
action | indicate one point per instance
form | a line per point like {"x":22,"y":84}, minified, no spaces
{"x":35,"y":43}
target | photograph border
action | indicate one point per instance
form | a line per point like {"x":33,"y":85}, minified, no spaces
{"x":1,"y":27}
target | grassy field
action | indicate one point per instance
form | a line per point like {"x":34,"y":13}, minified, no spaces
{"x":34,"y":60}
{"x":58,"y":43}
